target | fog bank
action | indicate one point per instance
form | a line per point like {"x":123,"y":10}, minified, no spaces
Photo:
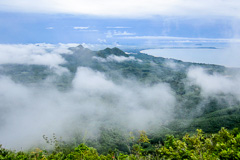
{"x":27,"y":113}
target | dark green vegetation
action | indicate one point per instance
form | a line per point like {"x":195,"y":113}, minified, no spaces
{"x":223,"y":145}
{"x":192,"y":110}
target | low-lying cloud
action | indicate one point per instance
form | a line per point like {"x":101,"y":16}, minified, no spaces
{"x":214,"y":84}
{"x":39,"y":54}
{"x":114,"y":58}
{"x":27,"y":113}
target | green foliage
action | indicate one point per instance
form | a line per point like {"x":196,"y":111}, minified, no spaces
{"x":108,"y":51}
{"x":143,"y":137}
{"x":222,"y":145}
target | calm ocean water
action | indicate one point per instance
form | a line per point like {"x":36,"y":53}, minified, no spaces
{"x":228,"y":57}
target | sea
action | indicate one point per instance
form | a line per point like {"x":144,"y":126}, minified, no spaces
{"x":226,"y":55}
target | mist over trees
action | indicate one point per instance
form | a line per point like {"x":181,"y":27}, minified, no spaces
{"x":98,"y":97}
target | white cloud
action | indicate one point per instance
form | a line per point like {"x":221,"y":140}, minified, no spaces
{"x":127,"y":8}
{"x":102,"y":40}
{"x":130,"y":53}
{"x":214,"y":84}
{"x":92,"y":102}
{"x":88,"y":30}
{"x":114,"y":58}
{"x":171,"y":64}
{"x":85,"y":29}
{"x":118,"y":27}
{"x":80,"y":27}
{"x":101,"y":46}
{"x":41,"y":54}
{"x":124,"y":33}
{"x":50,"y":28}
{"x":110,"y":34}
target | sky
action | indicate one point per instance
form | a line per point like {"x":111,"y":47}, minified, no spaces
{"x":115,"y":22}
